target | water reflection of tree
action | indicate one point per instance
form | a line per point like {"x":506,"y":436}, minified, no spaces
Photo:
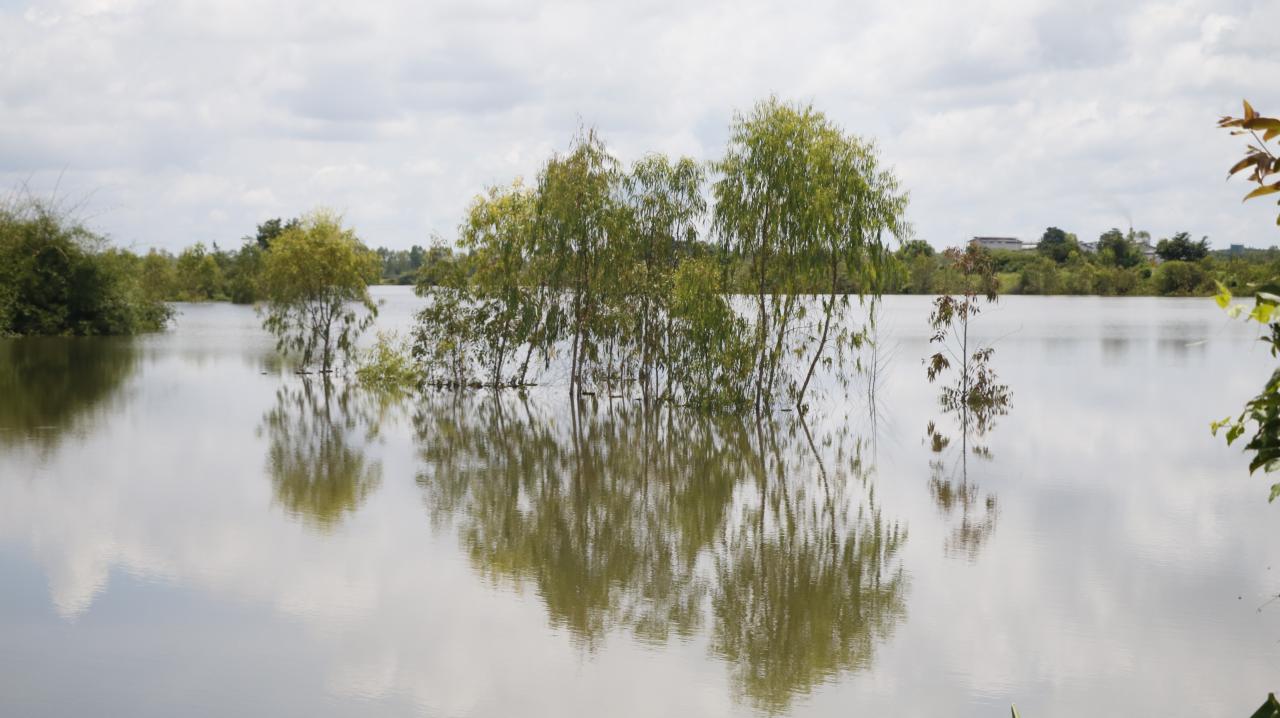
{"x":949,"y":483}
{"x":317,"y":433}
{"x":669,"y":523}
{"x":52,"y":386}
{"x":808,"y":583}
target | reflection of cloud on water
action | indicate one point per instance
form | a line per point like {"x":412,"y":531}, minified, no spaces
{"x":1125,"y":535}
{"x":396,"y":612}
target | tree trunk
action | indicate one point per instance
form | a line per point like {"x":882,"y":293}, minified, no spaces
{"x":822,"y":343}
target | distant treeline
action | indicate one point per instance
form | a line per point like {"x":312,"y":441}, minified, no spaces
{"x":202,"y":274}
{"x":1115,"y":266}
{"x":1059,"y":265}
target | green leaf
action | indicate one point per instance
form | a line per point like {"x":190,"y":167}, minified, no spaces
{"x":1262,"y":313}
{"x":1223,"y":297}
{"x":1015,"y":711}
{"x":1275,"y":491}
{"x":1234,"y":433}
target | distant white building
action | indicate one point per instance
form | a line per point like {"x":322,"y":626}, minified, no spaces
{"x":1006,"y":243}
{"x":1148,"y":250}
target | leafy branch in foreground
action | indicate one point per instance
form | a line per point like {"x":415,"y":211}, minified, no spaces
{"x":1262,"y":412}
{"x":1260,"y":157}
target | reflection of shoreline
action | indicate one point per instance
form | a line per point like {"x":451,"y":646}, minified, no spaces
{"x":667,"y":524}
{"x":54,"y":386}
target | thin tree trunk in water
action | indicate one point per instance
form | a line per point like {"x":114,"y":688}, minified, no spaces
{"x":780,"y":328}
{"x":964,"y":357}
{"x":326,"y":355}
{"x":666,"y":352}
{"x":577,"y":331}
{"x":524,"y":365}
{"x":822,"y":343}
{"x":762,"y":321}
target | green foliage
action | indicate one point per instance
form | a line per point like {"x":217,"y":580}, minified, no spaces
{"x":1178,"y":278}
{"x":913,"y":248}
{"x":388,"y":366}
{"x":243,"y":273}
{"x":438,"y":265}
{"x":58,"y":277}
{"x":200,"y":277}
{"x":710,"y":359}
{"x":801,"y":200}
{"x":315,"y":279}
{"x":401,"y":266}
{"x":158,"y":276}
{"x":663,"y":206}
{"x":444,"y":338}
{"x":579,"y":224}
{"x":1117,"y":250}
{"x":1056,"y":245}
{"x":1180,"y":248}
{"x":269,"y":230}
{"x":1261,"y":414}
{"x":976,"y":388}
{"x":1040,"y":276}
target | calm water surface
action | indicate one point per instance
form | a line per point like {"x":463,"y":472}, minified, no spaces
{"x":186,"y":528}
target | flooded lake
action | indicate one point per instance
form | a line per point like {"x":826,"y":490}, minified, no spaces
{"x":187,"y":528}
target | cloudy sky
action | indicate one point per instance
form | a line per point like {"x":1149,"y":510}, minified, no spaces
{"x":178,"y":121}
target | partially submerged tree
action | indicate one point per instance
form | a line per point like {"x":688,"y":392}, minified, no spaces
{"x":665,"y":204}
{"x":315,"y":279}
{"x":976,"y":387}
{"x":800,"y":199}
{"x":577,"y":216}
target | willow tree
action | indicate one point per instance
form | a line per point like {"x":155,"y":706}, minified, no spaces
{"x":315,"y":278}
{"x":665,"y":204}
{"x":800,"y":200}
{"x":853,"y":202}
{"x":577,"y":212}
{"x":508,"y":305}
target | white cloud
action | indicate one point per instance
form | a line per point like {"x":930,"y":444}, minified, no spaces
{"x":1001,"y":116}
